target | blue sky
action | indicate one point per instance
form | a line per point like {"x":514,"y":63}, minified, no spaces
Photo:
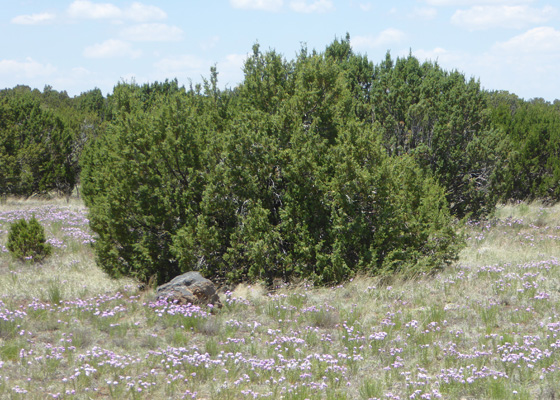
{"x":77,"y":45}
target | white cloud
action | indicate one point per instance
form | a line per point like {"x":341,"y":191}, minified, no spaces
{"x":545,"y":40}
{"x":154,"y":32}
{"x":70,"y":80}
{"x":233,"y":62}
{"x":26,"y":69}
{"x":181,"y":65}
{"x":210,"y":42}
{"x":366,"y":6}
{"x":384,"y":38}
{"x":265,"y":5}
{"x":430,"y":55}
{"x":33,"y":19}
{"x":230,"y":70}
{"x":483,"y":66}
{"x":87,"y":9}
{"x":389,"y":36}
{"x":136,"y":11}
{"x":504,"y":16}
{"x":526,"y":65}
{"x":140,"y":12}
{"x":447,"y":59}
{"x":80,"y":72}
{"x":424,"y":13}
{"x":474,"y":2}
{"x":111,"y":48}
{"x":318,"y":6}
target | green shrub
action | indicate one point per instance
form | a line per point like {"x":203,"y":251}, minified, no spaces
{"x":240,"y":194}
{"x":26,"y":240}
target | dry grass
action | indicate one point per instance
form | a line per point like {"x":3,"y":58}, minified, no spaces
{"x":72,"y":268}
{"x":487,"y":327}
{"x":518,"y":233}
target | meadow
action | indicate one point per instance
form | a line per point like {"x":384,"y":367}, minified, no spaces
{"x":486,"y":328}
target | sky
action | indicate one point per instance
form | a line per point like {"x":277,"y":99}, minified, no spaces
{"x":79,"y":45}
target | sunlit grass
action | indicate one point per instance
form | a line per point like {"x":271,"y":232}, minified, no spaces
{"x":71,"y":265}
{"x":487,"y":327}
{"x":517,"y":234}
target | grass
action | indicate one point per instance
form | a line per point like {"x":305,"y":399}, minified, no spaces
{"x":486,"y":328}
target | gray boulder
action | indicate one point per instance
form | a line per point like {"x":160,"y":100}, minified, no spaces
{"x":191,"y":287}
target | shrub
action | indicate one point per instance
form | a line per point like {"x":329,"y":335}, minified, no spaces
{"x":26,"y":240}
{"x":277,"y":180}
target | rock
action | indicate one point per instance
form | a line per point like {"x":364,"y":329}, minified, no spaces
{"x":191,"y":287}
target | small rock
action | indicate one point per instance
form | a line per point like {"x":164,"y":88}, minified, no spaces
{"x":190,"y":287}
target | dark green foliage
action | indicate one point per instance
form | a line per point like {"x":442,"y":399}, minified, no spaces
{"x":92,"y":102}
{"x":440,"y":118}
{"x":41,"y":139}
{"x":142,"y":181}
{"x":280,"y":177}
{"x":530,"y":138}
{"x":26,"y":240}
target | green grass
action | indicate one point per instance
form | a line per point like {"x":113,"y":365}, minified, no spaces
{"x":486,"y":327}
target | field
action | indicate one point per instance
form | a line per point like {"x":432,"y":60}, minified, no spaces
{"x":487,"y":327}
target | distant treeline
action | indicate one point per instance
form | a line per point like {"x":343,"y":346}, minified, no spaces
{"x":42,"y":136}
{"x":316,"y":167}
